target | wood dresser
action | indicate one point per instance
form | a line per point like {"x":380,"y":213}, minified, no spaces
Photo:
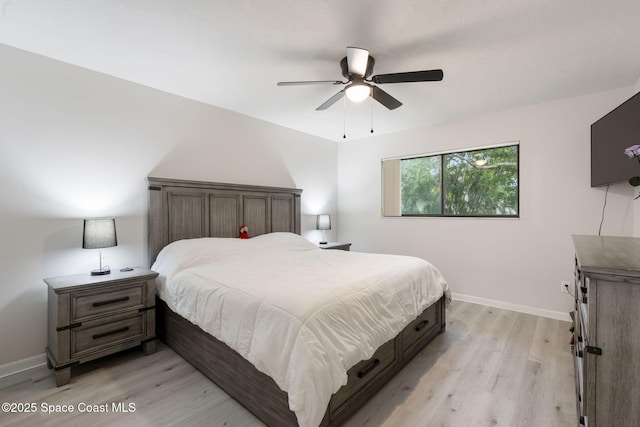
{"x":606,"y":346}
{"x":93,"y":316}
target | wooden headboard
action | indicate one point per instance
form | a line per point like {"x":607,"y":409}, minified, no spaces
{"x":180,"y":209}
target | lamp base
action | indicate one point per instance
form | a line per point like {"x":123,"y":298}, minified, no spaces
{"x":101,"y":272}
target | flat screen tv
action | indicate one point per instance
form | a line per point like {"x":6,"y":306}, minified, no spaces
{"x":609,"y":137}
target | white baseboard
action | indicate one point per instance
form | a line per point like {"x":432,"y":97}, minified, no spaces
{"x":558,"y":315}
{"x":22,"y":365}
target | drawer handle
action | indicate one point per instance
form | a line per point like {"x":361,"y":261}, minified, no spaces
{"x":106,"y":334}
{"x":421,"y":325}
{"x":368,"y":369}
{"x":111,"y":301}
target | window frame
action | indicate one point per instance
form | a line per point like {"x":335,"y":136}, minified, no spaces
{"x":442,"y":155}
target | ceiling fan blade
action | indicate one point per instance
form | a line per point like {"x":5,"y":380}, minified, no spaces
{"x":311,"y":82}
{"x":384,"y":98}
{"x":329,"y":102}
{"x":357,"y":60}
{"x":411,"y":76}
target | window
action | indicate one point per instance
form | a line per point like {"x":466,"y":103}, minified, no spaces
{"x":476,"y":183}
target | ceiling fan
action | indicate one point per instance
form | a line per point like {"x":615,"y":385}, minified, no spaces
{"x":356,"y":67}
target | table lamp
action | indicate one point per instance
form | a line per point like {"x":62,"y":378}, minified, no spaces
{"x":98,"y":234}
{"x":323,"y":222}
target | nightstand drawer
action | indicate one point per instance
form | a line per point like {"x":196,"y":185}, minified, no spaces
{"x":85,"y":305}
{"x":95,"y":335}
{"x":419,"y":328}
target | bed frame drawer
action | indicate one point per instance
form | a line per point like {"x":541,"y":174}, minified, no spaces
{"x":363,"y":373}
{"x":423,"y":326}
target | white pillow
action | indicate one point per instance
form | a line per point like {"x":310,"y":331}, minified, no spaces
{"x":282,"y":240}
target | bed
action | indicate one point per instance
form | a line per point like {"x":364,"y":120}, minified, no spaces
{"x":248,"y":328}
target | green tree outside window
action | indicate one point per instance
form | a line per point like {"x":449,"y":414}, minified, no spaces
{"x":481,"y":182}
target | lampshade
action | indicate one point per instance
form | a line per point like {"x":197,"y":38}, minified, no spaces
{"x":99,"y":233}
{"x":357,"y":92}
{"x":323,"y":222}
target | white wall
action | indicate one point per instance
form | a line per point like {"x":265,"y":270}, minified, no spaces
{"x":76,"y":144}
{"x":520,"y":262}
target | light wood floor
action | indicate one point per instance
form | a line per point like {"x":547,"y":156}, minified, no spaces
{"x":491,"y":367}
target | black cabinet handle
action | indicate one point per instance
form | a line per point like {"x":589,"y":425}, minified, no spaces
{"x":369,"y":368}
{"x":111,"y":301}
{"x":421,"y":325}
{"x":106,"y":334}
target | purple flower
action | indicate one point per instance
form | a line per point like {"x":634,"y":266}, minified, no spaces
{"x":633,"y":151}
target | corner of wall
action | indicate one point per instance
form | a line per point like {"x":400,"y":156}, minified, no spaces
{"x":636,"y":192}
{"x":636,"y":212}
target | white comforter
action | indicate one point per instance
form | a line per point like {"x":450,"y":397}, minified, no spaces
{"x":300,"y":314}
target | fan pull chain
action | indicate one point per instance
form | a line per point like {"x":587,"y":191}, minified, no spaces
{"x":371,"y":103}
{"x":344,"y":117}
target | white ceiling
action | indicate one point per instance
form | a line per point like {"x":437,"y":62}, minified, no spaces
{"x":495,"y":54}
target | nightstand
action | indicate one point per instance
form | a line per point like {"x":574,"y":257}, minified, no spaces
{"x":335,"y":245}
{"x":94,"y":316}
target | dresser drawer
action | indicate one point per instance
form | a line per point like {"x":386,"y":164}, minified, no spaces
{"x":421,"y":327}
{"x":86,"y":305}
{"x":96,"y":335}
{"x":364,"y":372}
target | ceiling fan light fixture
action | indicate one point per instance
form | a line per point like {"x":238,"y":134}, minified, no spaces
{"x":358,"y":92}
{"x":357,"y":68}
{"x":357,"y":60}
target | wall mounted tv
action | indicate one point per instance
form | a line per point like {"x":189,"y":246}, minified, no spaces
{"x":609,"y":137}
